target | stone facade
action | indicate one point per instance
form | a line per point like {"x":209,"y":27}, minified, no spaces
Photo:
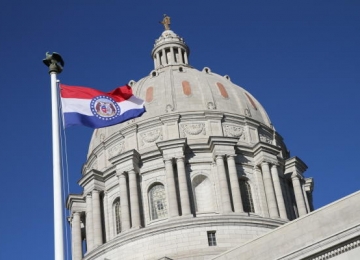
{"x":332,"y":232}
{"x":201,"y":172}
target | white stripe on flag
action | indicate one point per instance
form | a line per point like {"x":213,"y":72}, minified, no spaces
{"x":76,"y":105}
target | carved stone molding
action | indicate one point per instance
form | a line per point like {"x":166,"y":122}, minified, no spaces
{"x":192,"y":129}
{"x":151,"y":136}
{"x":211,"y":105}
{"x":270,"y":161}
{"x":337,"y":250}
{"x":116,"y":149}
{"x":94,"y":166}
{"x":265,"y":138}
{"x":247,"y":112}
{"x":91,"y":166}
{"x":234,"y":131}
{"x":169,"y":108}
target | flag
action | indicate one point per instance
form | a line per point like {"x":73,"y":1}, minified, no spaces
{"x":96,"y":109}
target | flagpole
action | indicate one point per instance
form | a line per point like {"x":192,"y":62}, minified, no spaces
{"x":55,"y":64}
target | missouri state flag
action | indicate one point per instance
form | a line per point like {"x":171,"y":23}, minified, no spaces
{"x":96,"y":109}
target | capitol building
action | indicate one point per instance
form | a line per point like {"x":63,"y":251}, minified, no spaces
{"x":203,"y":174}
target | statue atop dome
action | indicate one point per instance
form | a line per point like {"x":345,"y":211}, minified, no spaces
{"x":166,"y":22}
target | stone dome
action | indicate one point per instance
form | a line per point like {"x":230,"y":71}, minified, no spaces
{"x":180,"y":89}
{"x":203,"y":160}
{"x":176,"y":88}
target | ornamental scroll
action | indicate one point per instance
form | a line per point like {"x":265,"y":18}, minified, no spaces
{"x":234,"y":131}
{"x":192,"y":129}
{"x":116,"y":149}
{"x":151,"y":136}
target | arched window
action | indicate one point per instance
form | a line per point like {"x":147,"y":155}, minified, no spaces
{"x":202,"y":194}
{"x":117,"y":214}
{"x":246,"y":196}
{"x":157,"y":202}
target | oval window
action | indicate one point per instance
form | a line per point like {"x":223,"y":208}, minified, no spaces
{"x":222,"y":90}
{"x":251,"y":101}
{"x":186,"y":88}
{"x":149,"y":94}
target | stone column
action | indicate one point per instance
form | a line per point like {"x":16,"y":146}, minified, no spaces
{"x":134,"y":200}
{"x":278,"y":191}
{"x":298,"y":195}
{"x":183,"y":187}
{"x":263,"y":206}
{"x":89,"y":224}
{"x":269,"y":190}
{"x":171,"y":190}
{"x":98,"y":239}
{"x":234,"y":183}
{"x":305,"y":198}
{"x":186,"y":58}
{"x":158,"y":62}
{"x":124,"y":203}
{"x":164,"y":61}
{"x":106,"y":216}
{"x":181,"y":56}
{"x":172,"y":56}
{"x":76,"y":237}
{"x":224,"y":190}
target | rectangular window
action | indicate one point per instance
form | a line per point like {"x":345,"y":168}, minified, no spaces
{"x":211,"y":238}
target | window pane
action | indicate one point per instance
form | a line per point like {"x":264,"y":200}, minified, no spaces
{"x":117,"y":216}
{"x":246,"y":197}
{"x":157,"y":199}
{"x":211,"y":238}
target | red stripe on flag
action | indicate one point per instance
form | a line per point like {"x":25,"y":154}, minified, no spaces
{"x":119,"y":94}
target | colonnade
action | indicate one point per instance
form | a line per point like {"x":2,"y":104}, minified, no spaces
{"x":170,"y":56}
{"x":130,"y":215}
{"x":223,"y":184}
{"x":93,"y":226}
{"x":230,"y":198}
{"x":274,"y":194}
{"x":171,"y":187}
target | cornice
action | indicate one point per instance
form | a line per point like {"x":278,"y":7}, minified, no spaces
{"x":211,"y":115}
{"x":129,"y":129}
{"x":221,"y":140}
{"x":182,"y":223}
{"x":266,"y":147}
{"x":171,"y":144}
{"x":169,"y":118}
{"x":151,"y":154}
{"x":235,"y":119}
{"x":114,"y":138}
{"x":337,"y":250}
{"x":125,"y":156}
{"x":192,"y":116}
{"x":265,"y":152}
{"x":330,"y":247}
{"x":73,"y":199}
{"x":309,"y":184}
{"x":92,"y":175}
{"x":149,"y":124}
{"x":295,"y":165}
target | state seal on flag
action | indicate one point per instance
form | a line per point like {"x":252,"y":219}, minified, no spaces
{"x":104,"y":107}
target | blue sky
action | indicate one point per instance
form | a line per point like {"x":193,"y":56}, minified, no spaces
{"x":300,"y":59}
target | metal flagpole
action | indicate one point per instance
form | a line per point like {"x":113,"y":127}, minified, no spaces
{"x":55,"y":64}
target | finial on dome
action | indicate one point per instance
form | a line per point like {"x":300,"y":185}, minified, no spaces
{"x":166,"y":22}
{"x":169,"y":49}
